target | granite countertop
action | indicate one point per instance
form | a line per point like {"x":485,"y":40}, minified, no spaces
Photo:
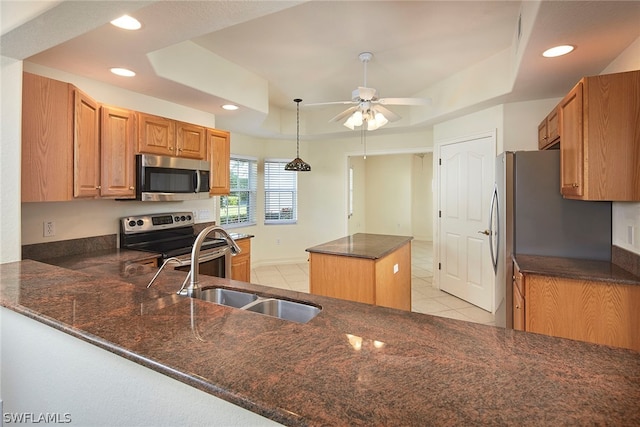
{"x":362,"y":245}
{"x":578,"y":269}
{"x":353,"y":364}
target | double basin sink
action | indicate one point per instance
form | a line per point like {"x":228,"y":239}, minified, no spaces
{"x":294,"y":311}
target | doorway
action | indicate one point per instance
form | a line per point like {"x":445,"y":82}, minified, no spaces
{"x":391,"y":194}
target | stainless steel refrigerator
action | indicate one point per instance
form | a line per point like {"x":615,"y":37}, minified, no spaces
{"x":529,"y":216}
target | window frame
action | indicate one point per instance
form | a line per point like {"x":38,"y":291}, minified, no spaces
{"x":252,"y":193}
{"x":281,"y":206}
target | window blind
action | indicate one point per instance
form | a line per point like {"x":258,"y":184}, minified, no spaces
{"x":280,"y":193}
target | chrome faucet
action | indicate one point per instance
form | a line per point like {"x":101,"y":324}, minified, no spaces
{"x":192,"y":289}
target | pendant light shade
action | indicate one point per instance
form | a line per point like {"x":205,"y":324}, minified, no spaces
{"x":297,"y":164}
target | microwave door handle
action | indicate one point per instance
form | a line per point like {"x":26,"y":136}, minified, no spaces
{"x":196,"y":181}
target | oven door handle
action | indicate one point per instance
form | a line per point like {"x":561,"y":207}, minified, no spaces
{"x":213,"y":254}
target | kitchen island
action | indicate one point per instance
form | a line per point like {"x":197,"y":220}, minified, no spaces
{"x":353,"y":364}
{"x":363,"y":267}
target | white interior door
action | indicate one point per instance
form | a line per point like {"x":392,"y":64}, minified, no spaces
{"x":466,"y":179}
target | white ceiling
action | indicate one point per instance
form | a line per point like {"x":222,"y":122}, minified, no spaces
{"x":263,"y":54}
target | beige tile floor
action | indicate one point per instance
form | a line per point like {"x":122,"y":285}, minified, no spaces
{"x":425,"y":298}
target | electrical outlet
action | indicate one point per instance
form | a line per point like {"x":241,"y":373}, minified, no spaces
{"x":204,"y":214}
{"x":49,"y":229}
{"x":395,"y":268}
{"x":630,"y":234}
{"x":278,"y":241}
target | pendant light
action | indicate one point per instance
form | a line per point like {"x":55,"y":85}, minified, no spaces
{"x":297,"y":164}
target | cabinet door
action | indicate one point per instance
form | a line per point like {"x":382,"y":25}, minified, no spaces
{"x":219,"y":145}
{"x":86,"y":146}
{"x":571,"y":144}
{"x":47,"y":134}
{"x":518,"y":300}
{"x":117,"y":138}
{"x":553,"y":123}
{"x":190,"y":141}
{"x":241,"y":263}
{"x":543,"y":134}
{"x":156,"y":135}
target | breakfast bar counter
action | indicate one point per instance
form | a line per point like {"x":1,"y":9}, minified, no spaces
{"x":353,"y":364}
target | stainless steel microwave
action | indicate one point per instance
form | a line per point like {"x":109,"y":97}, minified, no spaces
{"x":163,"y":178}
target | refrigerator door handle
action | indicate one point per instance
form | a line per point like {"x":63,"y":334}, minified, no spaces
{"x":494,"y":211}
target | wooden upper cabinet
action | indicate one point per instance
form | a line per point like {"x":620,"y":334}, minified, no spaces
{"x":600,"y":138}
{"x":571,"y":145}
{"x":167,"y":137}
{"x":117,"y":138}
{"x":86,"y":146}
{"x":47,"y":132}
{"x":548,"y":130}
{"x":219,"y":143}
{"x":156,"y":135}
{"x":190,"y":141}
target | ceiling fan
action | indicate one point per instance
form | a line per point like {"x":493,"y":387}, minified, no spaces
{"x":367,"y":108}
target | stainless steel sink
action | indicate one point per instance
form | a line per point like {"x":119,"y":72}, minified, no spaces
{"x":284,"y":309}
{"x":228,"y":297}
{"x":295,"y":311}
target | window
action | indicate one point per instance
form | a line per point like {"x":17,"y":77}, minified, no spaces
{"x":280,"y":193}
{"x":239,"y":207}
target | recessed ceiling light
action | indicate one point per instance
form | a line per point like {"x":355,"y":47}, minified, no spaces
{"x":557,"y":51}
{"x":123,"y":72}
{"x":127,"y":23}
{"x":230,"y":107}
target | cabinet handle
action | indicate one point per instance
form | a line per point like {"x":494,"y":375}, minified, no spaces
{"x":98,"y":187}
{"x":575,"y":185}
{"x":132,"y":188}
{"x":517,"y":307}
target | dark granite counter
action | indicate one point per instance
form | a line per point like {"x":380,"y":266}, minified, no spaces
{"x":353,"y":364}
{"x":362,"y":245}
{"x":579,"y":269}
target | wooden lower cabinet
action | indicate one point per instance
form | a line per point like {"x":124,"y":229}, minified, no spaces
{"x":241,"y":263}
{"x":598,"y":312}
{"x":371,"y":281}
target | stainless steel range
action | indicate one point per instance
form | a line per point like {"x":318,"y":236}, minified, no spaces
{"x":171,"y":235}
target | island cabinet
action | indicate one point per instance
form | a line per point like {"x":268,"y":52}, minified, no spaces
{"x":167,"y":137}
{"x":219,"y":145}
{"x":599,"y":138}
{"x":585,"y":310}
{"x":368,"y":268}
{"x":241,"y":263}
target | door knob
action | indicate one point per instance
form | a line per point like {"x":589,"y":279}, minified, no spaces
{"x":485,"y":232}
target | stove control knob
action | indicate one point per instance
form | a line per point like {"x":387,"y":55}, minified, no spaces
{"x":188,"y":217}
{"x":183,"y":217}
{"x":177,"y":219}
{"x":140,"y":222}
{"x":132,"y":223}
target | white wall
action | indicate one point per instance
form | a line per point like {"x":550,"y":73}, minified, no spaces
{"x":47,"y":371}
{"x":626,"y":216}
{"x":422,"y":197}
{"x":10,"y":154}
{"x":388,"y":194}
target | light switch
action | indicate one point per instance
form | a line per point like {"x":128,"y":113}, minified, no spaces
{"x":395,"y":268}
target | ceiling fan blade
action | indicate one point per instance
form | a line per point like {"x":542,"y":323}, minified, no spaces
{"x":390,"y":115}
{"x":344,"y":114}
{"x":404,"y":101}
{"x":330,"y":103}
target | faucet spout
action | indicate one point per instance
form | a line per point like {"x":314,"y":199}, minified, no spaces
{"x":193,"y":288}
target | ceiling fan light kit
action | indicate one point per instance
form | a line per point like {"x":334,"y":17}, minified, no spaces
{"x":368,"y":110}
{"x":297,"y":164}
